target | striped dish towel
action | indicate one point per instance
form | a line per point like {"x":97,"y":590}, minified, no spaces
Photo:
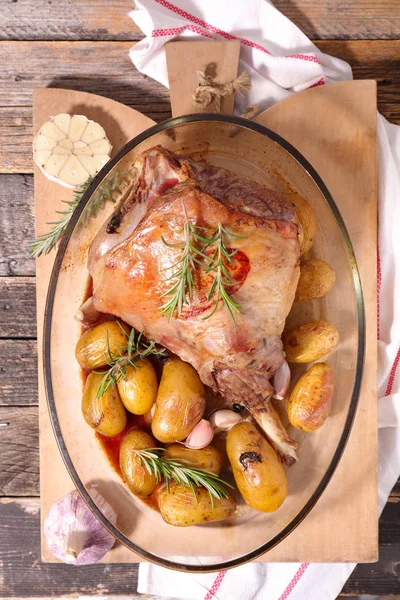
{"x":281,"y":61}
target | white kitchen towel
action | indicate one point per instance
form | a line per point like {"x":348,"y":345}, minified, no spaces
{"x":281,"y":61}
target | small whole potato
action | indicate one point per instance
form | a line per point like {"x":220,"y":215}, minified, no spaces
{"x":306,"y":218}
{"x":311,"y":399}
{"x":317,"y":278}
{"x":181,"y":507}
{"x":106,"y":414}
{"x":259,"y":475}
{"x":310,"y":341}
{"x":208,"y":458}
{"x":180,"y":402}
{"x":138,"y":389}
{"x":134,"y":473}
{"x":92,"y":351}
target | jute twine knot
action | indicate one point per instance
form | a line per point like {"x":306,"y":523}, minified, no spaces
{"x":209,"y":90}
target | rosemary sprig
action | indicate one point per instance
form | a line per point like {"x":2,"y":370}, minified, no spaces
{"x":136,"y":349}
{"x":193,"y":249}
{"x":47,"y":241}
{"x":183,"y":473}
{"x":222,"y":279}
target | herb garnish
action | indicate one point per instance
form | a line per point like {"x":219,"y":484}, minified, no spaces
{"x":182,"y":473}
{"x":137,"y":349}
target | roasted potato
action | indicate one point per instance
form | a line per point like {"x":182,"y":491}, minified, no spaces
{"x":208,"y":458}
{"x":311,"y":399}
{"x":180,"y":402}
{"x":92,"y":350}
{"x":106,"y":414}
{"x":134,"y":473}
{"x":310,"y":341}
{"x":138,"y":388}
{"x":181,"y":507}
{"x":316,"y":279}
{"x":306,"y":218}
{"x":259,"y":475}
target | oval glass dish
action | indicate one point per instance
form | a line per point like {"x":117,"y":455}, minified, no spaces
{"x":249,"y":149}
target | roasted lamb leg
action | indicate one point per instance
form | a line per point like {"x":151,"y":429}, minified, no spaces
{"x":132,"y":258}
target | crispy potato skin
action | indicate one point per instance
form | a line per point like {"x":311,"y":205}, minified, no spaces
{"x":311,"y":399}
{"x":259,"y":475}
{"x":317,"y":278}
{"x":208,"y":458}
{"x":134,"y":473}
{"x":180,"y":507}
{"x":106,"y":414}
{"x":306,"y":218}
{"x":91,"y":349}
{"x":138,"y":389}
{"x":310,"y":341}
{"x":180,"y":402}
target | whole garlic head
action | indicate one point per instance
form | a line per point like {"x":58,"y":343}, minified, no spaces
{"x":71,"y":149}
{"x":73,"y":533}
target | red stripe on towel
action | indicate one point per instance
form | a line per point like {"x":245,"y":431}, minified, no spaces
{"x":214,"y":588}
{"x":297,"y":576}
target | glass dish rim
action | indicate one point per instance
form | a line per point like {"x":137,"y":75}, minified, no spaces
{"x":360,"y":309}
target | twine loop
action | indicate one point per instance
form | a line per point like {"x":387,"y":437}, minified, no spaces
{"x":208,"y":90}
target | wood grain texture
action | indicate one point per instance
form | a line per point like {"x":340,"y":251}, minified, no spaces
{"x":17,"y":219}
{"x":17,"y":307}
{"x":19,"y":451}
{"x":24,"y":575}
{"x":18,"y":373}
{"x":103,"y":20}
{"x":77,"y":66}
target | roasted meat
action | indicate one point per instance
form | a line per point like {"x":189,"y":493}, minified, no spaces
{"x":133,"y":256}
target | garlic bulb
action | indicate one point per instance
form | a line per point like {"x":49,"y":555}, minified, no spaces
{"x":87,"y":313}
{"x":201,"y":436}
{"x":224,"y":419}
{"x":73,"y":533}
{"x":70,"y":149}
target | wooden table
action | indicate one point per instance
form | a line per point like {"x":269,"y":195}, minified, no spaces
{"x":84,"y":45}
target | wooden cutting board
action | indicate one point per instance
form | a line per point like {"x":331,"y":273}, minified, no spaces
{"x":335,"y":128}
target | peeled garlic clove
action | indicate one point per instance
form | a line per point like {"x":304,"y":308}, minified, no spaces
{"x":72,"y":138}
{"x":87,"y":312}
{"x":281,"y":381}
{"x":224,"y":419}
{"x":73,"y":533}
{"x":201,"y":436}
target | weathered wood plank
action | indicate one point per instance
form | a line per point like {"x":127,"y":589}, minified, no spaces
{"x":18,"y":373}
{"x":17,"y":307}
{"x":19,"y":451}
{"x":26,"y":576}
{"x":17,"y":219}
{"x":72,"y":65}
{"x":103,"y":20}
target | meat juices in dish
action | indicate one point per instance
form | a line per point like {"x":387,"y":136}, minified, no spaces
{"x":129,"y":263}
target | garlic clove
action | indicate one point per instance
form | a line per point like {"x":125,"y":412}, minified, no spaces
{"x":87,"y":312}
{"x":77,"y":126}
{"x":51,"y":130}
{"x":41,"y":142}
{"x":281,"y":381}
{"x":100,"y":160}
{"x":62,"y":121}
{"x":88,"y":163}
{"x":93,"y":133}
{"x":54,"y":164}
{"x":73,"y":533}
{"x":65,"y":144}
{"x":201,"y":436}
{"x":73,"y":173}
{"x":224,"y":419}
{"x":42,"y":156}
{"x":72,"y":137}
